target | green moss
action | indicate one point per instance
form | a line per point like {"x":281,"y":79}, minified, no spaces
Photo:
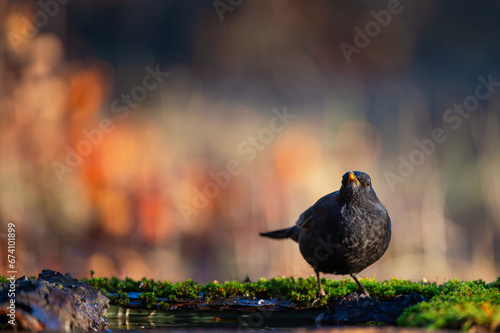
{"x":149,"y":298}
{"x":459,"y":305}
{"x":187,"y":289}
{"x":495,"y":284}
{"x":120,"y":298}
{"x":453,"y":304}
{"x":114,"y":284}
{"x":301,"y":291}
{"x":163,"y":306}
{"x":391,"y":288}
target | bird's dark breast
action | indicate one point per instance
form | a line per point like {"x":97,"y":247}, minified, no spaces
{"x":349,"y":242}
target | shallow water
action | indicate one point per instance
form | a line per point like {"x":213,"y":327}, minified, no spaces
{"x":238,"y":313}
{"x":132,"y":319}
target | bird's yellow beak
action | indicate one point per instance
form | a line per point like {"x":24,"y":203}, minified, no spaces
{"x":352,"y":178}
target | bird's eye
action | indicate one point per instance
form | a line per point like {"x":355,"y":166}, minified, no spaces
{"x":368,"y":183}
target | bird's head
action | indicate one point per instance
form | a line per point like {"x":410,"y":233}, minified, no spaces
{"x":356,"y":186}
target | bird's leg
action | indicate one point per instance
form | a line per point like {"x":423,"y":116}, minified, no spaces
{"x":321,"y":292}
{"x":361,"y":288}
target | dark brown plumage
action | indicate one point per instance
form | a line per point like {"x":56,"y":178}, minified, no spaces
{"x":343,"y":232}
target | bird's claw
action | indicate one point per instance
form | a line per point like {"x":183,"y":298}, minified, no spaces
{"x":365,"y":294}
{"x":319,"y":296}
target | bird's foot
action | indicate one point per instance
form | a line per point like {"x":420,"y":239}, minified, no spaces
{"x":365,"y":294}
{"x":358,"y":297}
{"x":321,"y":293}
{"x":319,"y":296}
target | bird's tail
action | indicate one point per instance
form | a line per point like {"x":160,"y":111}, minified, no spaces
{"x":292,"y":233}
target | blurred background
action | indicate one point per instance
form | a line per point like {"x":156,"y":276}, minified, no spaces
{"x":158,"y":138}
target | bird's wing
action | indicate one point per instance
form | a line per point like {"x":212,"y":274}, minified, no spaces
{"x":307,"y":219}
{"x":305,"y":223}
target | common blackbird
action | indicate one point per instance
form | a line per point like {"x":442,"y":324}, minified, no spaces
{"x":343,"y":232}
